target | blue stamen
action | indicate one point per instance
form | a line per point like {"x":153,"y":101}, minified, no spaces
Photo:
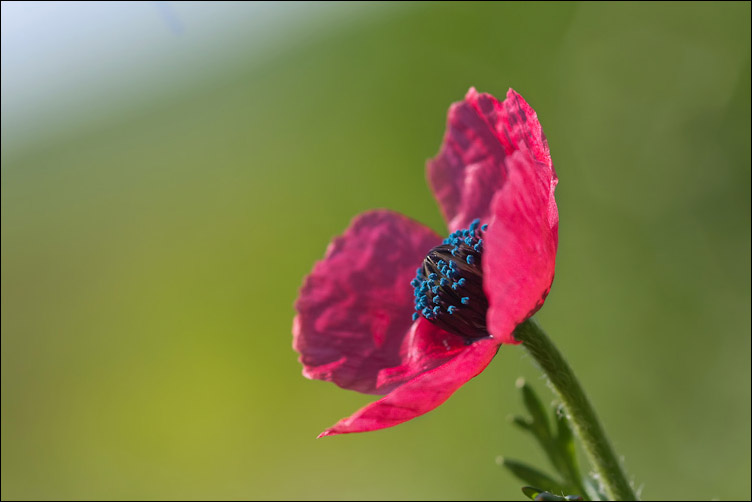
{"x":453,"y":264}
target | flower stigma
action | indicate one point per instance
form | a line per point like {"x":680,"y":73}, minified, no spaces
{"x":449,"y":285}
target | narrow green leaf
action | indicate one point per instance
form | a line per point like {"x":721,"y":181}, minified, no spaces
{"x":539,"y":427}
{"x":536,"y":409}
{"x":531,"y":492}
{"x":566,"y":449}
{"x":563,"y":431}
{"x":530,"y":475}
{"x":522,"y":422}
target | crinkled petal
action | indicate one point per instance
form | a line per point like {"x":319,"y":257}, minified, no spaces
{"x":481,"y":133}
{"x":520,"y":245}
{"x":422,"y":394}
{"x":425,"y":347}
{"x":354,"y":325}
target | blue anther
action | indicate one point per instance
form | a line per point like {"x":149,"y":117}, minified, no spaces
{"x":465,"y":244}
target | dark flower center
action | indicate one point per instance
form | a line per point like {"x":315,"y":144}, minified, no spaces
{"x":449,"y":284}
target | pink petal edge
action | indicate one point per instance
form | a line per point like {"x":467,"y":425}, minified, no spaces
{"x":420,"y":395}
{"x":469,"y":168}
{"x":520,"y":246}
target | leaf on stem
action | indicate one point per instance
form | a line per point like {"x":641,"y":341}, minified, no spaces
{"x":529,"y":474}
{"x":536,"y":409}
{"x":565,"y":446}
{"x":558,"y":445}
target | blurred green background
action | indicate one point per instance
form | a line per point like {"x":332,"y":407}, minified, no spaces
{"x":152,"y":251}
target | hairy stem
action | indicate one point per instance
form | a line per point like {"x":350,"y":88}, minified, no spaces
{"x":578,"y":408}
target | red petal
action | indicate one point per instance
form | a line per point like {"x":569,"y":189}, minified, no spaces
{"x":422,"y":394}
{"x":469,"y":169}
{"x":520,"y":245}
{"x":354,"y":325}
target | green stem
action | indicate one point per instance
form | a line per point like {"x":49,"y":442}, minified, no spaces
{"x":578,"y":407}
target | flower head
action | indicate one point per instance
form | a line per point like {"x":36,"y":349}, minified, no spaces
{"x":395,"y":309}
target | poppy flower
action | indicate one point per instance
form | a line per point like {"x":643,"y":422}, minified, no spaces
{"x":368,"y":321}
